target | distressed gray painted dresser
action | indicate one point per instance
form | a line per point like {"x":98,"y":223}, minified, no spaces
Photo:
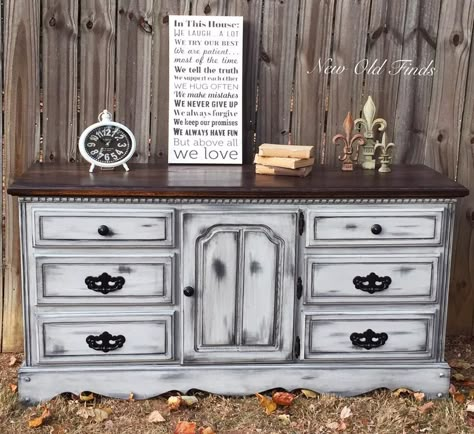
{"x":214,"y":278}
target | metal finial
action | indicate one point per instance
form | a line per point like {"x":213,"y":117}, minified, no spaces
{"x":386,"y":154}
{"x":105,"y":116}
{"x":348,"y":157}
{"x":368,"y":124}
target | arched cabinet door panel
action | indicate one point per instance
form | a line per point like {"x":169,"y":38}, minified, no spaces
{"x":238,"y":286}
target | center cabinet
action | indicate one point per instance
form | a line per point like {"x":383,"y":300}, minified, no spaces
{"x":238,"y":285}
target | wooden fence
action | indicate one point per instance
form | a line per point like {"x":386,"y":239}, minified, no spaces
{"x":66,"y":60}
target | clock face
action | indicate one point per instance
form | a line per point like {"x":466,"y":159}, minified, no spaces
{"x":108,"y":145}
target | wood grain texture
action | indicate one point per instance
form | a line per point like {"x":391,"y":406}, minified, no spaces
{"x":461,"y":302}
{"x":209,"y":7}
{"x":59,"y":73}
{"x":22,"y":24}
{"x":147,"y":180}
{"x":97,"y":59}
{"x":133,"y":70}
{"x":276,"y":67}
{"x":449,"y":86}
{"x":414,"y":91}
{"x":162,"y":9}
{"x":252,"y":13}
{"x":345,"y":89}
{"x":314,"y":43}
{"x":385,"y":42}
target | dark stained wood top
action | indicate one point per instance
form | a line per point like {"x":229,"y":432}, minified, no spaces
{"x":146,"y":180}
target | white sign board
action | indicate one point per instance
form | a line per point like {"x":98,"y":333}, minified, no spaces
{"x":205,"y":100}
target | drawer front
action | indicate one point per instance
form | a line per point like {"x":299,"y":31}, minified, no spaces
{"x":104,"y":280}
{"x":106,"y":227}
{"x":374,"y":227}
{"x":369,"y":336}
{"x":104,"y":338}
{"x":370,"y":278}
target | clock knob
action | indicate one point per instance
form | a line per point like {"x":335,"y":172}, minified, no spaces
{"x":188,"y":291}
{"x":103,"y":230}
{"x":376,"y":229}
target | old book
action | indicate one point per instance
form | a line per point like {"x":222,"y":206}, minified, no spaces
{"x":288,"y":151}
{"x":289,"y":163}
{"x":268,"y":170}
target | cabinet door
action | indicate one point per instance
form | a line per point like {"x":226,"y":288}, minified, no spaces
{"x":241,"y":267}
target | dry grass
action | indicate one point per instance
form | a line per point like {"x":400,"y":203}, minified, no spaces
{"x":379,"y":412}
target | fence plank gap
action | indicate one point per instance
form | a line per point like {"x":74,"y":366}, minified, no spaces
{"x":133,"y":71}
{"x":21,"y":60}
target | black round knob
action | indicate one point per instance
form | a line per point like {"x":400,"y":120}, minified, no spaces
{"x":103,"y":230}
{"x":188,"y":291}
{"x":376,"y":229}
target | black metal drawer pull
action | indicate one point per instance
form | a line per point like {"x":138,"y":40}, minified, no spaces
{"x":372,"y":283}
{"x":369,"y":339}
{"x":105,"y":283}
{"x":103,"y":230}
{"x":105,"y":342}
{"x":376,"y":229}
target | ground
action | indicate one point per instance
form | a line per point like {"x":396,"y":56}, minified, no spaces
{"x":378,"y":412}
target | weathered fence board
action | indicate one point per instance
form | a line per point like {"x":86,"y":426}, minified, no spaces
{"x":162,"y":9}
{"x":59,"y":73}
{"x":97,"y":59}
{"x":384,"y":44}
{"x":345,"y":89}
{"x":133,"y":77}
{"x":22,"y":127}
{"x":77,"y":57}
{"x":449,"y":86}
{"x":414,"y":91}
{"x":310,"y":100}
{"x":275,"y":77}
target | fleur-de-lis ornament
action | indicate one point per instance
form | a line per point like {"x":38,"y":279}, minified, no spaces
{"x":386,"y":154}
{"x":369,"y":123}
{"x":349,"y":157}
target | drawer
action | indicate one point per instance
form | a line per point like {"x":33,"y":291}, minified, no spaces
{"x":369,"y":335}
{"x":88,"y":338}
{"x":370,"y":278}
{"x":373,"y":226}
{"x":111,"y":279}
{"x":102,"y":227}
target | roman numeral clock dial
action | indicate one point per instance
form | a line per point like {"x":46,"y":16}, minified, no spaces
{"x":107,"y":144}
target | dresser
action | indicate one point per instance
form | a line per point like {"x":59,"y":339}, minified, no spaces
{"x":214,"y":278}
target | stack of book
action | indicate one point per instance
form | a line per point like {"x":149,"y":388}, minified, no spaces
{"x":290,"y":160}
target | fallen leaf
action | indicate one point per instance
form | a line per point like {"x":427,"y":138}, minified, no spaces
{"x":12,"y":361}
{"x":309,"y":393}
{"x":425,"y":408}
{"x":426,"y":429}
{"x":189,"y":400}
{"x":402,"y":391}
{"x":471,"y":394}
{"x":470,"y":419}
{"x":38,"y":421}
{"x":468,"y":383}
{"x":452,"y":389}
{"x":345,"y":413}
{"x":332,"y":425}
{"x":269,"y":405}
{"x":13,"y":387}
{"x":207,"y":430}
{"x":57,"y":430}
{"x":459,"y":397}
{"x":156,"y":417}
{"x":86,"y":396}
{"x":470,"y":406}
{"x":185,"y":428}
{"x":283,"y":398}
{"x":419,"y":396}
{"x":131,"y":397}
{"x":100,"y":414}
{"x":459,"y":364}
{"x":458,"y":376}
{"x":86,"y":412}
{"x":284,"y":418}
{"x":174,"y":402}
{"x":342,"y":426}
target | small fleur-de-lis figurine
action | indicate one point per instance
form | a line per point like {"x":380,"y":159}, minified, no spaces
{"x":348,"y":141}
{"x":386,"y":155}
{"x":369,"y":123}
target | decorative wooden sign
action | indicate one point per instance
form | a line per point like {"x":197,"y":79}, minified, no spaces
{"x":205,"y":94}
